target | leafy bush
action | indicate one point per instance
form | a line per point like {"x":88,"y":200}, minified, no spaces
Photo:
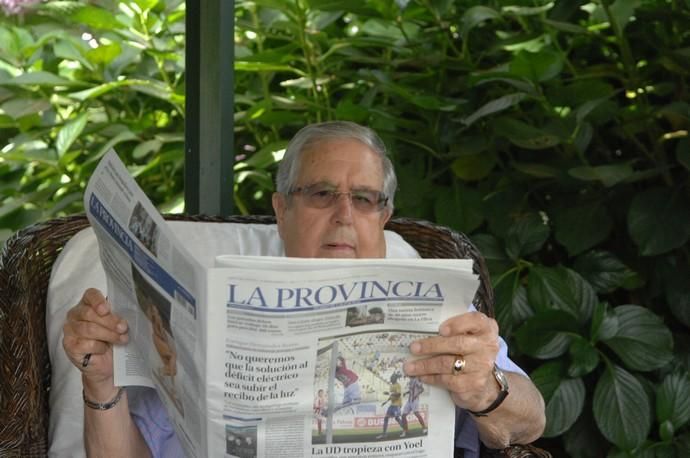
{"x":77,"y":79}
{"x":554,"y":133}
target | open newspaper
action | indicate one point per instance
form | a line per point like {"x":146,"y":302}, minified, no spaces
{"x":274,"y":357}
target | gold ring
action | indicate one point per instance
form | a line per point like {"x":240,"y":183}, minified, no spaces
{"x":459,"y":365}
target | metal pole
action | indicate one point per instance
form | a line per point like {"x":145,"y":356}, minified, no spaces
{"x":209,"y":126}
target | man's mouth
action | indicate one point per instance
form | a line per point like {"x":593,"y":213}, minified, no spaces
{"x":339,"y":246}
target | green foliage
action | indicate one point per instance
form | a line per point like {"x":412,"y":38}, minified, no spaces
{"x":77,"y":79}
{"x":554,"y":133}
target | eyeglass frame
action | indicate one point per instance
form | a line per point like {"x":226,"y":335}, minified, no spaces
{"x":380,"y":204}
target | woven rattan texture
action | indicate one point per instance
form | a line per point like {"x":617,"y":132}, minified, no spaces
{"x":25,"y":265}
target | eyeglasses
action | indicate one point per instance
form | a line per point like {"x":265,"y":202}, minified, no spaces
{"x":323,"y":196}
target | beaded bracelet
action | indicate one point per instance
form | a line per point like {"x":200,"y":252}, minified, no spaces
{"x":107,"y":405}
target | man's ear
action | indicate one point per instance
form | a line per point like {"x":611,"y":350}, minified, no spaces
{"x":279,"y":206}
{"x":385,"y":216}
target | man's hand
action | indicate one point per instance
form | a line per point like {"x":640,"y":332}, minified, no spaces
{"x":473,"y":337}
{"x":92,"y":329}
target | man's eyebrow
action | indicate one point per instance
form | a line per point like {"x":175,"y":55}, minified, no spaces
{"x":331,"y":185}
{"x":364,"y":188}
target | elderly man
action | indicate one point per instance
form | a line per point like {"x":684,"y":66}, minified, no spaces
{"x":335,"y":190}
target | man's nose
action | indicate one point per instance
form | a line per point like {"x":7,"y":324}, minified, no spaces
{"x":343,"y":209}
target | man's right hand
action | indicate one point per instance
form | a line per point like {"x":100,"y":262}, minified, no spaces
{"x":92,"y":328}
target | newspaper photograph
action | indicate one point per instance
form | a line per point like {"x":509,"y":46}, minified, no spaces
{"x":271,"y":356}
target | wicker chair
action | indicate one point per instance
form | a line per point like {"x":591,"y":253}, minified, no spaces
{"x":25,"y":267}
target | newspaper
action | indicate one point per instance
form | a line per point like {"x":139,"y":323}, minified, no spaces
{"x":269,"y":356}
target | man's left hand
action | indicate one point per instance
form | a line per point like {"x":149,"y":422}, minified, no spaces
{"x":472,"y":337}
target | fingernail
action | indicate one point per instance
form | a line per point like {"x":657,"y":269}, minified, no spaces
{"x":101,"y":309}
{"x":444,"y":330}
{"x":415,"y":347}
{"x":121,"y":326}
{"x":408,"y":367}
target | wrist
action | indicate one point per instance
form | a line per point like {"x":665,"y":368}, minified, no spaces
{"x":497,"y":400}
{"x":104,"y":405}
{"x":99,"y":391}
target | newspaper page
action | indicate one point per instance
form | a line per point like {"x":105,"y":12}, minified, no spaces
{"x":159,"y":288}
{"x":313,"y":350}
{"x":275,"y":357}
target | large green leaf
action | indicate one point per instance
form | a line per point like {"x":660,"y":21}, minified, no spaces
{"x":605,"y":272}
{"x":565,"y":26}
{"x":584,"y":357}
{"x":537,"y":66}
{"x":39,"y":78}
{"x":267,"y":155}
{"x":537,"y":170}
{"x":11,"y":205}
{"x":583,"y":439}
{"x":547,"y":334}
{"x":547,"y":377}
{"x":146,"y":148}
{"x":250,"y":66}
{"x":351,"y":111}
{"x":581,"y":227}
{"x":521,"y":84}
{"x":673,"y":400}
{"x":151,"y":87}
{"x":98,"y":18}
{"x":527,"y":10}
{"x":564,"y":397}
{"x":523,"y":134}
{"x":512,"y":307}
{"x":659,"y":220}
{"x":413,"y":188}
{"x":459,"y":208}
{"x":104,"y":54}
{"x":359,"y":7}
{"x":677,"y":291}
{"x":69,"y":133}
{"x":562,"y":289}
{"x":526,"y":236}
{"x":20,"y":107}
{"x":477,"y":15}
{"x":608,"y":175}
{"x":622,"y":408}
{"x":492,"y":250}
{"x":604,"y":323}
{"x":70,"y":51}
{"x":125,"y":135}
{"x":474,"y":167}
{"x":622,"y":11}
{"x":495,"y":106}
{"x":642,"y":342}
{"x":564,"y":407}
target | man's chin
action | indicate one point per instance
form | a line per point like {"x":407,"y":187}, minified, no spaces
{"x":337,"y":253}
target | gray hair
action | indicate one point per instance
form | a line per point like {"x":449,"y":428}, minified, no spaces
{"x":288,"y":169}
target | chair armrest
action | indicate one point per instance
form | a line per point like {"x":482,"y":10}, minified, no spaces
{"x":517,"y":451}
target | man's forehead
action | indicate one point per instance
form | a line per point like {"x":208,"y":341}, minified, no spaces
{"x":332,"y":160}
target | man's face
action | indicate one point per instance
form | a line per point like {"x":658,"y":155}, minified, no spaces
{"x":338,"y":231}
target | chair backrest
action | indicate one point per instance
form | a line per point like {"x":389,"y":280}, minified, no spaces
{"x":25,"y":268}
{"x":25,"y":265}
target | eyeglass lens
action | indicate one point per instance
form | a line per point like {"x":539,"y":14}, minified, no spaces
{"x":364,"y":200}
